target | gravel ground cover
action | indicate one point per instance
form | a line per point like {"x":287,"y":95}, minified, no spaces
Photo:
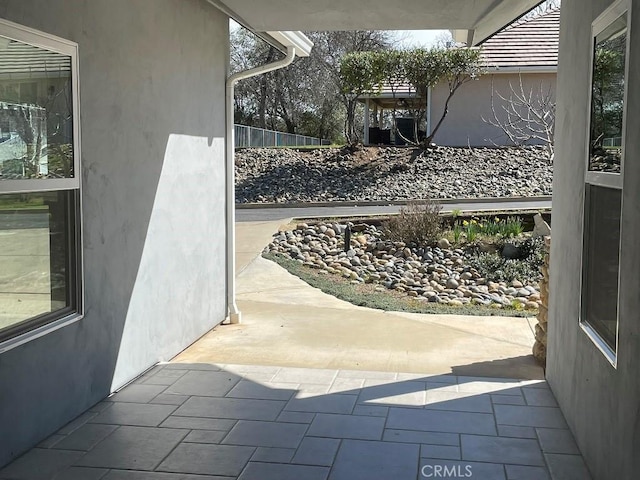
{"x":389,"y":173}
{"x":438,"y":274}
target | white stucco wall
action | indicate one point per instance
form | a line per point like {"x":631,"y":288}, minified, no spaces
{"x":152,"y":79}
{"x":601,"y":403}
{"x":464,"y":123}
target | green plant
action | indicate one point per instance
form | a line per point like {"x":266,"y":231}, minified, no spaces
{"x":457,"y":231}
{"x":417,"y":223}
{"x":512,"y":227}
{"x":471,"y":230}
{"x":455,"y":213}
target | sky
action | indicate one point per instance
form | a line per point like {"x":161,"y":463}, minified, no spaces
{"x":420,"y":38}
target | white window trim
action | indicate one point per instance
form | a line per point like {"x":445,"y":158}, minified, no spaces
{"x":66,"y":47}
{"x":605,"y":179}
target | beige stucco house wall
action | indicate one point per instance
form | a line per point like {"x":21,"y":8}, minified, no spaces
{"x":472,"y":104}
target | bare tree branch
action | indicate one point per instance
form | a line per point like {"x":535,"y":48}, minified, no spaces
{"x":525,"y":116}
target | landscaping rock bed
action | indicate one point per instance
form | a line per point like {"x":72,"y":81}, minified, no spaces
{"x":439,"y":274}
{"x":389,"y":173}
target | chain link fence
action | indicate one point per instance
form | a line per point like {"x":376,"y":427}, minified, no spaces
{"x":252,"y":137}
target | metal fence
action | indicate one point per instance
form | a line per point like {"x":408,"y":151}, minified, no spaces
{"x":253,"y":137}
{"x":612,"y":142}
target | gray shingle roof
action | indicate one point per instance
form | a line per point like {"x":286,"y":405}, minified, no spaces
{"x":526,"y":43}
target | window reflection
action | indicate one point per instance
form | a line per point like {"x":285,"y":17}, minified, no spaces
{"x":37,"y":255}
{"x":607,"y":98}
{"x":36,"y":114}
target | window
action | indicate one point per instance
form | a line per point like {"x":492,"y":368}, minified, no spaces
{"x":603,"y":180}
{"x":39,"y":184}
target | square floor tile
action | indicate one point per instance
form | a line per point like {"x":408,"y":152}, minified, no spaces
{"x":164,"y":377}
{"x":567,"y":467}
{"x":199,"y":423}
{"x":247,"y":389}
{"x":207,"y":459}
{"x":134,"y":448}
{"x":361,"y":460}
{"x":170,"y":399}
{"x":406,"y":393}
{"x":412,"y":436}
{"x":539,"y":397}
{"x":209,"y":367}
{"x":526,"y":416}
{"x":367,"y":374}
{"x":441,"y":421}
{"x":350,"y":386}
{"x":317,"y":451}
{"x":445,"y":452}
{"x":273,"y":455}
{"x":82,"y":473}
{"x":517,"y":432}
{"x":40,"y":464}
{"x":204,"y":384}
{"x":82,"y":419}
{"x":516,"y":451}
{"x":236,"y":408}
{"x":334,"y":403}
{"x":86,"y":437}
{"x":520,"y":472}
{"x":439,"y":468}
{"x":371,"y":410}
{"x":305,"y":375}
{"x":296,"y":417}
{"x":498,"y":399}
{"x":137,"y":393}
{"x":556,"y":440}
{"x":131,"y":475}
{"x":459,"y":401}
{"x":137,"y":414}
{"x":279,"y":471}
{"x":501,"y":386}
{"x":266,"y":434}
{"x":205,"y":436}
{"x":347,"y":426}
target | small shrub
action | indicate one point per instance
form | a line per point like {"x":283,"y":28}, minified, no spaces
{"x":417,"y":223}
{"x":455,"y":213}
{"x":494,"y":267}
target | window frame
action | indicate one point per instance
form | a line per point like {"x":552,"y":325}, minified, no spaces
{"x":44,"y":324}
{"x":613,"y":180}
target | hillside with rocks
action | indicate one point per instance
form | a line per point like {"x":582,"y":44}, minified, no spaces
{"x":389,"y":174}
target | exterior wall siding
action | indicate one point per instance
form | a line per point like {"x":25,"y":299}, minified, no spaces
{"x":601,"y":403}
{"x":152,"y":77}
{"x":463,"y":125}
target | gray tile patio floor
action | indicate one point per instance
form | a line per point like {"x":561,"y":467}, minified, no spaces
{"x":206,"y":422}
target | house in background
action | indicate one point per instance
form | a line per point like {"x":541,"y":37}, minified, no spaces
{"x":522,"y":57}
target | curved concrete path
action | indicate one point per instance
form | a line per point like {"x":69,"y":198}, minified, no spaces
{"x":288,"y":323}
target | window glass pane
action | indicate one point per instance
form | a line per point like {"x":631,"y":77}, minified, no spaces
{"x":36,"y":112}
{"x":602,"y":246}
{"x":37,"y":238}
{"x":607,"y":97}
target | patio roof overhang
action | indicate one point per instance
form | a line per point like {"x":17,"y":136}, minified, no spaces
{"x":474,"y":19}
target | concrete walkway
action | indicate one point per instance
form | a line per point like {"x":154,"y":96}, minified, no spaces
{"x":288,"y":323}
